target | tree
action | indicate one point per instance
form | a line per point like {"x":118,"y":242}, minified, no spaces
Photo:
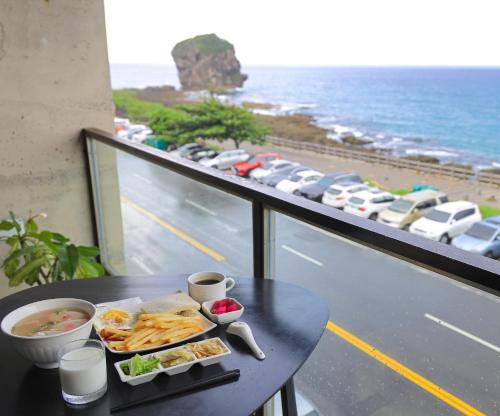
{"x":209,"y":119}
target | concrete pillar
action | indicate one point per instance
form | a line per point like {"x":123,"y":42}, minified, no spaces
{"x":54,"y":81}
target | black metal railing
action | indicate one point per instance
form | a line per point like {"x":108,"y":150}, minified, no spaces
{"x":467,"y":267}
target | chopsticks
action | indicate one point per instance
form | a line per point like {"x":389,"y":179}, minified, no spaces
{"x":218,"y":378}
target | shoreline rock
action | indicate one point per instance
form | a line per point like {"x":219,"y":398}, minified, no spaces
{"x":207,"y":61}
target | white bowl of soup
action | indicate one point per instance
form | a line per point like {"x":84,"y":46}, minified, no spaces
{"x":40,"y":329}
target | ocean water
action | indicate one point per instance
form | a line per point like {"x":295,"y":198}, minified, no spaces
{"x":450,"y":113}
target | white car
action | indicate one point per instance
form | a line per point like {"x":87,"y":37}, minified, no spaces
{"x":273,"y":166}
{"x":447,"y":221}
{"x":337,"y":195}
{"x":298,"y":180}
{"x":225,"y":159}
{"x":369,"y":203}
{"x":141,"y":136}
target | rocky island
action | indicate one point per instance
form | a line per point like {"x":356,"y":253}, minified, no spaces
{"x":207,"y":61}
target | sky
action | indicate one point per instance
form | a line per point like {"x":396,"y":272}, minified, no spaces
{"x":311,"y":32}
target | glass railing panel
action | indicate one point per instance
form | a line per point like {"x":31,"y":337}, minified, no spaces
{"x":400,"y":340}
{"x":163,"y":222}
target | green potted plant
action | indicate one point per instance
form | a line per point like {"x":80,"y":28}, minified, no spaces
{"x":39,"y":257}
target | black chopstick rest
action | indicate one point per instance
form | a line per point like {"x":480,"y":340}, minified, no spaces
{"x":218,"y":378}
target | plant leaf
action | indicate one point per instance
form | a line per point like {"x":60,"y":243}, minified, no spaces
{"x":88,"y":251}
{"x":88,"y":268}
{"x":14,"y":222}
{"x":10,"y":267}
{"x":21,"y":252}
{"x":46,"y":238}
{"x":59,"y":238}
{"x":13,"y":241}
{"x":24,"y":271}
{"x":31,"y":226}
{"x":6,"y":225}
{"x":68,"y":257}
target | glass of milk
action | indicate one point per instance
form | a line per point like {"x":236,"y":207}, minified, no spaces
{"x":82,"y":370}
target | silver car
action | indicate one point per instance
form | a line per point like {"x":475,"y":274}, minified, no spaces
{"x":225,"y":159}
{"x":482,"y":238}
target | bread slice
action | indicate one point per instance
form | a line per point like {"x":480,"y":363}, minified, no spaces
{"x":178,"y":302}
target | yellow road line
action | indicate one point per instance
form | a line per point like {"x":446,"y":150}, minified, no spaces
{"x":420,"y":381}
{"x":175,"y":231}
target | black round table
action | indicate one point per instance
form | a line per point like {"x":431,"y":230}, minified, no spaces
{"x":287,"y":322}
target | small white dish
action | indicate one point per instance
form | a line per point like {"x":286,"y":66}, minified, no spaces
{"x":214,"y":359}
{"x":171,"y":371}
{"x":179,"y":368}
{"x":223,"y":318}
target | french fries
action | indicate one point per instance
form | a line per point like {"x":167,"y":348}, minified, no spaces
{"x":152,"y":330}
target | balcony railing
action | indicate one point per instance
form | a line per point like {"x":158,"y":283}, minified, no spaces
{"x":392,"y":294}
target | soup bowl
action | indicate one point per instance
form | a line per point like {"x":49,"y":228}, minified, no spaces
{"x":42,"y":350}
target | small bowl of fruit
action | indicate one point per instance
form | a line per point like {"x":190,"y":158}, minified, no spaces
{"x":223,"y":311}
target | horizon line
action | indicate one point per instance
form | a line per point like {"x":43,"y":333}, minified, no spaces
{"x":448,"y":66}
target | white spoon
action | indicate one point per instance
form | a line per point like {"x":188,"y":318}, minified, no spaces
{"x":242,"y":330}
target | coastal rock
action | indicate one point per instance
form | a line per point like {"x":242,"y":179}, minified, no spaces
{"x":351,"y":139}
{"x":422,"y":158}
{"x":207,"y":61}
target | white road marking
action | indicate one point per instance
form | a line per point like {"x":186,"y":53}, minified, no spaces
{"x":302,"y":255}
{"x":464,"y":333}
{"x":142,"y":178}
{"x":200,"y":207}
{"x":141,"y":265}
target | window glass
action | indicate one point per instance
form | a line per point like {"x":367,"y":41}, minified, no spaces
{"x":357,"y":189}
{"x":401,"y":206}
{"x":333,"y":191}
{"x":438,"y":216}
{"x":356,"y":200}
{"x":426,"y":204}
{"x":443,"y":199}
{"x":327,"y":181}
{"x":463,"y":214}
{"x":481,"y":231}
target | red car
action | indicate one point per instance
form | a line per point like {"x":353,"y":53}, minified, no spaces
{"x":256,"y":161}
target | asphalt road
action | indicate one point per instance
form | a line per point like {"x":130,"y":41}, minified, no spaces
{"x":445,"y":332}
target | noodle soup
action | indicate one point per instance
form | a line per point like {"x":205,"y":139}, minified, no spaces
{"x":50,"y":322}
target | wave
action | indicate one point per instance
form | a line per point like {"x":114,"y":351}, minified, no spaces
{"x":445,"y":154}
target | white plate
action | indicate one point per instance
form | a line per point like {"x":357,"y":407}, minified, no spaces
{"x":134,"y":304}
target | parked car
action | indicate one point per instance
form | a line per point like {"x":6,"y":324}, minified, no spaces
{"x":243,"y":169}
{"x":225,"y":159}
{"x":369,"y":203}
{"x":482,"y":238}
{"x":316,"y":190}
{"x":337,"y":195}
{"x":131,"y":131}
{"x":409,"y":208}
{"x":299,"y":179}
{"x":185,"y":149}
{"x":274,"y":178}
{"x":204,"y":153}
{"x":447,"y":221}
{"x":141,"y":136}
{"x":267,"y":169}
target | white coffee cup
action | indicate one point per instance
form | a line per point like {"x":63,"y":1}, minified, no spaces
{"x":215,"y":287}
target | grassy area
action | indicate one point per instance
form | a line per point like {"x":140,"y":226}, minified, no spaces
{"x":489,"y":211}
{"x":394,"y":191}
{"x":126,"y":102}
